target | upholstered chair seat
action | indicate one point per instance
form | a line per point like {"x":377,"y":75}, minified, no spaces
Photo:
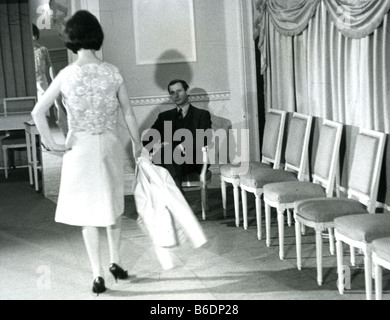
{"x":230,"y":170}
{"x":291,"y":191}
{"x":323,"y":210}
{"x":259,"y":178}
{"x":364,"y":227}
{"x":381,"y":247}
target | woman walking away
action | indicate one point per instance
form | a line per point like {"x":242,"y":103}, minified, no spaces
{"x":92,"y":182}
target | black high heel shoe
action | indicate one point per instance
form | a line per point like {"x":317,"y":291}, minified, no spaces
{"x":98,"y":286}
{"x":118,"y":272}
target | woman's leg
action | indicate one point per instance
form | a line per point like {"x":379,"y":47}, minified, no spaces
{"x":114,"y":239}
{"x":92,"y":243}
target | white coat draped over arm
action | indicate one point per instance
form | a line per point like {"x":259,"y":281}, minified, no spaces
{"x":162,"y":207}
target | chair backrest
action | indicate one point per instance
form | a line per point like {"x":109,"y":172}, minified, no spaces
{"x":363,"y":182}
{"x":297,"y":147}
{"x":273,"y":137}
{"x":18,"y":105}
{"x":327,"y":155}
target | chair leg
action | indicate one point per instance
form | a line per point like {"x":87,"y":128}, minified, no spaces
{"x":289,"y":219}
{"x":5,"y":158}
{"x":378,"y":282}
{"x":35,"y":161}
{"x":258,"y":216}
{"x":340,"y":263}
{"x":11,"y":159}
{"x":331,"y":241}
{"x":319,"y":255}
{"x":204,"y":197}
{"x":353,"y":256}
{"x":223,"y":190}
{"x":268,"y":225}
{"x":281,"y":233}
{"x":298,"y":240}
{"x":368,"y":273}
{"x":244,"y":199}
{"x":29,"y":159}
{"x":237,"y":204}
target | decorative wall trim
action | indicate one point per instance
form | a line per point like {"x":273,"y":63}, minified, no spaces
{"x":201,"y":97}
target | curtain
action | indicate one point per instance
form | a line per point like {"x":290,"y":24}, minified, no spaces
{"x":357,"y":19}
{"x":17,"y":69}
{"x":336,"y":67}
{"x":291,"y":17}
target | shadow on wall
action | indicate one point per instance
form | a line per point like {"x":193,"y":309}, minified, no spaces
{"x":165,"y":72}
{"x":177,"y":69}
{"x":200,"y":98}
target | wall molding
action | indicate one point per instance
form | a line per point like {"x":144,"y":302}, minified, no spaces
{"x":165,"y":99}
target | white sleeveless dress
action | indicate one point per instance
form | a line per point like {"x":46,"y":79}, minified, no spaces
{"x":92,"y":179}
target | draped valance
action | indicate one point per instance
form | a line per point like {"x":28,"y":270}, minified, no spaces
{"x":290,"y":18}
{"x":354,"y":19}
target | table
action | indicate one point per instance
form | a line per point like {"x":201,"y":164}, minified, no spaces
{"x":14,"y":122}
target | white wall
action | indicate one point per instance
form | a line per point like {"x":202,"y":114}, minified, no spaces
{"x":222,"y":79}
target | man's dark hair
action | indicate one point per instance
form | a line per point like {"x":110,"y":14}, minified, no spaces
{"x":83,"y":31}
{"x":35,"y":31}
{"x":184,"y":84}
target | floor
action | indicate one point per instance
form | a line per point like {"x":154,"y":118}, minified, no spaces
{"x":43,"y":260}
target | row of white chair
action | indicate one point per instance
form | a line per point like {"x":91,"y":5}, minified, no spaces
{"x":313,"y":201}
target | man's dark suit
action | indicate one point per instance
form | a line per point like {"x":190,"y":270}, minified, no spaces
{"x":195,"y":119}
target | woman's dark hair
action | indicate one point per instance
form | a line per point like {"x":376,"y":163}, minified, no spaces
{"x":83,"y":31}
{"x":183,"y":83}
{"x":35,"y":31}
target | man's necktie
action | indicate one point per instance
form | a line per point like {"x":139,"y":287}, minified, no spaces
{"x":180,"y":114}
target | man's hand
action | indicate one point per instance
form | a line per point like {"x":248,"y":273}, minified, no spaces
{"x":158,"y":146}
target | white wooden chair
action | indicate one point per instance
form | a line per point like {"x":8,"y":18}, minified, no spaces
{"x":282,"y":195}
{"x":295,"y":167}
{"x":15,"y":139}
{"x":360,"y":230}
{"x":381,"y":259}
{"x":201,"y":181}
{"x":271,"y":154}
{"x":321,"y":213}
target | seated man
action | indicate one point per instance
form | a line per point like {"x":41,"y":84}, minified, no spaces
{"x":179,"y":135}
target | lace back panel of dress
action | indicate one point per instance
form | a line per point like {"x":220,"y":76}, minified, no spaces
{"x":90,"y":96}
